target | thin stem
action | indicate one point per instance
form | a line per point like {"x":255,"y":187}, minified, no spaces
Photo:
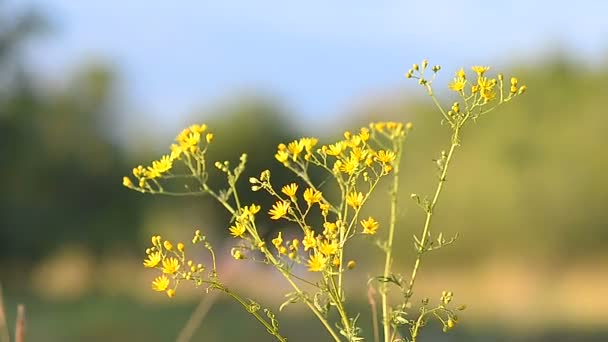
{"x":429,"y":215}
{"x":269,"y":328}
{"x":307,"y":301}
{"x":389,"y":244}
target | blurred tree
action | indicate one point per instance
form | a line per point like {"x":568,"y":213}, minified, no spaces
{"x":60,"y":175}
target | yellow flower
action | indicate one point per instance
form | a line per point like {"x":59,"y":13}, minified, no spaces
{"x":139,"y":171}
{"x":457,"y":84}
{"x":324,"y":206}
{"x":364,"y":135}
{"x":308,"y":143}
{"x":126,"y":181}
{"x":459,"y":81}
{"x":237,"y":230}
{"x":153,"y":259}
{"x":152,"y":173}
{"x":295,"y":243}
{"x":328,"y":248}
{"x":354,"y":199}
{"x":336,"y":149}
{"x":170,"y":265}
{"x":290,"y":190}
{"x":349,"y":165}
{"x":309,"y":240}
{"x":282,"y":156}
{"x":370,"y":226}
{"x":312,"y":196}
{"x":336,"y":261}
{"x":163,"y":165}
{"x":181,"y":247}
{"x":181,"y":137}
{"x":168,"y":245}
{"x":191,"y":139}
{"x":198,"y":128}
{"x":460,"y":73}
{"x":295,"y":148}
{"x":385,"y":156}
{"x":330,"y":228}
{"x":209,"y":137}
{"x":254,"y":209}
{"x":279,"y":210}
{"x":161,"y":283}
{"x":170,"y":293}
{"x":176,"y":152}
{"x":278,"y":241}
{"x":156,"y":240}
{"x":317,"y":263}
{"x":480,"y":70}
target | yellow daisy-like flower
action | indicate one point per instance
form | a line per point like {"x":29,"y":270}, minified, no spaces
{"x":171,"y":265}
{"x":459,"y":81}
{"x":309,"y":143}
{"x":349,"y":165}
{"x":153,"y":173}
{"x":317,"y":263}
{"x":192,"y":139}
{"x":312,"y":196}
{"x":370,"y":226}
{"x":183,"y":135}
{"x":295,"y":148}
{"x":237,"y":230}
{"x":458,"y":84}
{"x":386,"y":156}
{"x":176,"y":152}
{"x":163,"y":165}
{"x":354,"y":199}
{"x":161,"y":283}
{"x":336,"y":149}
{"x":278,"y":241}
{"x":279,"y":210}
{"x":328,"y":248}
{"x":290,"y":190}
{"x":480,"y":70}
{"x":309,"y":240}
{"x":153,"y":259}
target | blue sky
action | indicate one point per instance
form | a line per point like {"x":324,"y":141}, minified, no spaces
{"x":319,"y":57}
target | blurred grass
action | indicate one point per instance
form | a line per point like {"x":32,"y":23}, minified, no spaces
{"x":102,"y":319}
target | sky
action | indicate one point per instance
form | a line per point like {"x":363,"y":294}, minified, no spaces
{"x":319,"y":58}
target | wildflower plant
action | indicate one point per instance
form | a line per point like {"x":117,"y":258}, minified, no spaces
{"x":355,"y":164}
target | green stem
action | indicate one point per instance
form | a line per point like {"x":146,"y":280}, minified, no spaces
{"x":306,"y":300}
{"x":269,"y":328}
{"x":389,"y":245}
{"x":429,"y":215}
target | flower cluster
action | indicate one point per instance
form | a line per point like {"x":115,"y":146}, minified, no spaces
{"x":171,"y":262}
{"x":357,"y":163}
{"x":190,"y":146}
{"x":478,"y":95}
